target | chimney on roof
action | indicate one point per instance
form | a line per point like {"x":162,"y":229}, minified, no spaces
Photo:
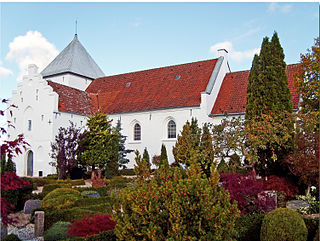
{"x":32,"y":69}
{"x":223,"y":53}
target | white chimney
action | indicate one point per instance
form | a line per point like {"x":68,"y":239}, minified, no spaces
{"x":223,"y":53}
{"x":32,"y":69}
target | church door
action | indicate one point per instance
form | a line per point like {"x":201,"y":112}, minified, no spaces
{"x":30,"y":164}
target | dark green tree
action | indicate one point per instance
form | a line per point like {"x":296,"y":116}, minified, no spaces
{"x":122,"y":153}
{"x":164,"y":157}
{"x":100,"y":145}
{"x":146,"y":158}
{"x":268,"y":94}
{"x":206,"y":152}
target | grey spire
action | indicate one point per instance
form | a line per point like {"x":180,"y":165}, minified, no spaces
{"x":74,"y":59}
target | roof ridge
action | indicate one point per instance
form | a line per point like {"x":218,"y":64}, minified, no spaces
{"x":168,"y":66}
{"x":55,"y":83}
{"x":249,"y":69}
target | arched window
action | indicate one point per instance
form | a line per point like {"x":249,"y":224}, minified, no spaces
{"x":137,"y":132}
{"x":171,"y":129}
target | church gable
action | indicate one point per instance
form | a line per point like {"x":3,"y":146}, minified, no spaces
{"x":160,"y":88}
{"x":72,"y":100}
{"x":232,"y":97}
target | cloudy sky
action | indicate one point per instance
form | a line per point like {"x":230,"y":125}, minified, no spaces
{"x":126,"y":37}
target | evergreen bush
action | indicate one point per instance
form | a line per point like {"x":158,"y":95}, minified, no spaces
{"x":47,"y":188}
{"x":283,"y":224}
{"x":57,"y":231}
{"x":176,"y":206}
{"x":61,"y":198}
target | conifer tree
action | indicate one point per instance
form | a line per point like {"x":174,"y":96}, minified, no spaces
{"x":164,"y":157}
{"x":206,"y":152}
{"x":146,"y":158}
{"x":268,"y":94}
{"x":122,"y":153}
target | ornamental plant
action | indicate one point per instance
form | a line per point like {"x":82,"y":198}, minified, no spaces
{"x":176,"y":205}
{"x":283,"y":224}
{"x":90,"y":225}
{"x":61,"y":198}
{"x":244,"y":190}
{"x":281,"y":184}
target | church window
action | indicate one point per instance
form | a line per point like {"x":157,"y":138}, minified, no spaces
{"x":37,"y":97}
{"x":21,"y":99}
{"x":178,"y":77}
{"x":29,"y":125}
{"x":14,"y":120}
{"x":171,"y":129}
{"x":128,"y":84}
{"x":37,"y":91}
{"x":42,"y":117}
{"x":137,"y":132}
{"x":20,"y":92}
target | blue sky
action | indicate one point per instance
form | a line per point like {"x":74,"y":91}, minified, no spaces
{"x":127,"y":37}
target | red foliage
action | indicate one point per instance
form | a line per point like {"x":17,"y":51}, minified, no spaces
{"x":97,"y":181}
{"x":10,"y":181}
{"x":12,"y":148}
{"x":280,"y":184}
{"x":91,"y":224}
{"x":6,"y":209}
{"x":242,"y":188}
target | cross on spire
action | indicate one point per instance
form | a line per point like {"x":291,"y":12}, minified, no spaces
{"x":76,"y":27}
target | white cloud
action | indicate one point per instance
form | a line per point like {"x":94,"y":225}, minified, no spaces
{"x":283,"y":8}
{"x":31,"y":48}
{"x":4,"y":72}
{"x":233,"y":54}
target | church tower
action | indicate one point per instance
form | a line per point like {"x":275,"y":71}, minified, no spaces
{"x":73,"y":67}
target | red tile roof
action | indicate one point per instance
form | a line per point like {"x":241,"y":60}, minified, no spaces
{"x":72,"y":100}
{"x":232,"y":97}
{"x":167,"y":87}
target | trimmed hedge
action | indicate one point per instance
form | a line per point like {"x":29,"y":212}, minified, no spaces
{"x":50,"y":187}
{"x":61,"y":198}
{"x":127,"y":172}
{"x":103,"y":236}
{"x":283,"y":224}
{"x":57,"y":231}
{"x":249,"y":226}
{"x":103,"y":191}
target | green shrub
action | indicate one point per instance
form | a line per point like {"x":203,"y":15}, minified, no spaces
{"x":248,"y":226}
{"x":103,"y":191}
{"x":57,"y":231}
{"x":50,"y":187}
{"x":172,"y":207}
{"x":283,"y":224}
{"x":40,"y":181}
{"x":66,"y":215}
{"x":61,"y":198}
{"x":127,"y":172}
{"x":11,"y":237}
{"x":77,"y":182}
{"x":312,"y":225}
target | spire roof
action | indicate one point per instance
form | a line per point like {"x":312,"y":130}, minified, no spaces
{"x":74,"y":59}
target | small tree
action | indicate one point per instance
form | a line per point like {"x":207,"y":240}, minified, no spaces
{"x":65,"y":149}
{"x":206,"y":152}
{"x":176,"y":206}
{"x":100,"y":145}
{"x":146,"y":158}
{"x":163,"y":157}
{"x":123,"y":152}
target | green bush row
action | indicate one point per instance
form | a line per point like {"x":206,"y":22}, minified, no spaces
{"x":57,"y":231}
{"x":127,"y":172}
{"x":41,"y":181}
{"x":103,"y":236}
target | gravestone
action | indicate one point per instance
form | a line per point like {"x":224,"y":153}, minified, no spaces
{"x":31,"y":205}
{"x":38,"y":223}
{"x":295,"y":204}
{"x":268,"y":199}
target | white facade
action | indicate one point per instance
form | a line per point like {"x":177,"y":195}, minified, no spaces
{"x":39,"y":119}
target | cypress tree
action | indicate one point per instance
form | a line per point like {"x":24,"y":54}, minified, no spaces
{"x":268,"y":94}
{"x":146,"y":158}
{"x":163,"y":157}
{"x":122,"y":153}
{"x":206,"y":152}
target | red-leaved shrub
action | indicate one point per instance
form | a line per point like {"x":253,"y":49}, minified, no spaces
{"x":280,"y":184}
{"x":91,"y":224}
{"x":10,"y":181}
{"x":6,"y":209}
{"x":244,"y":189}
{"x":96,"y":180}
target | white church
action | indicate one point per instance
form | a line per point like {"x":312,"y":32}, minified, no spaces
{"x":152,"y":105}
